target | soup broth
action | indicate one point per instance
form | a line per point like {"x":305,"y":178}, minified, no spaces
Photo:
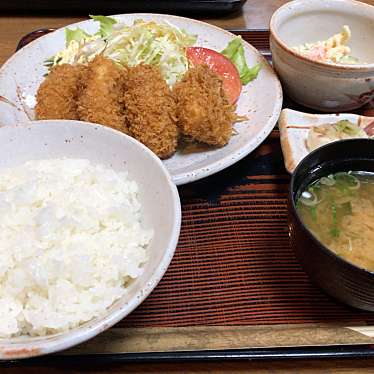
{"x":339,"y":210}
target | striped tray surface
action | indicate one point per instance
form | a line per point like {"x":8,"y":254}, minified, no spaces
{"x":233,"y":264}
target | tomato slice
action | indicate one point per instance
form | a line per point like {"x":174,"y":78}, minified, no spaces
{"x":220,"y":65}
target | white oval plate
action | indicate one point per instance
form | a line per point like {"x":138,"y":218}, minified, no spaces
{"x":260,"y":100}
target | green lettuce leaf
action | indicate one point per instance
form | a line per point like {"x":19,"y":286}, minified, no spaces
{"x":235,"y":53}
{"x":250,"y":74}
{"x":77,"y":35}
{"x":106,"y":25}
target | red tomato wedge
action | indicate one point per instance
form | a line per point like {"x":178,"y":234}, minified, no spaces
{"x":220,"y":65}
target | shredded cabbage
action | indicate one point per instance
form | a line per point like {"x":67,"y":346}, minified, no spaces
{"x":160,"y":44}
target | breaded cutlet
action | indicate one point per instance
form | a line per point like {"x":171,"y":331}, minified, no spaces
{"x":203,"y":108}
{"x":57,"y":95}
{"x":150,"y":110}
{"x":100,"y":99}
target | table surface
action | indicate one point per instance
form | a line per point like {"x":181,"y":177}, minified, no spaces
{"x":256,"y":15}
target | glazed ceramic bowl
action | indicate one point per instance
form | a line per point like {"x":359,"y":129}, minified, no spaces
{"x":157,"y":193}
{"x":324,"y":86}
{"x":336,"y":276}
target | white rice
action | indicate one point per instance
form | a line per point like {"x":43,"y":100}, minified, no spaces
{"x":70,"y":241}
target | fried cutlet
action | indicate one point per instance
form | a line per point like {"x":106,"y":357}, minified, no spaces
{"x":100,"y":99}
{"x":203,"y":108}
{"x":57,"y":95}
{"x":150,"y":110}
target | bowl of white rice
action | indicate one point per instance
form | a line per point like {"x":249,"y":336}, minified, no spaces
{"x":89,"y":222}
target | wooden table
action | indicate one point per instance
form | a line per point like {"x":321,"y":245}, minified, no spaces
{"x":256,"y":14}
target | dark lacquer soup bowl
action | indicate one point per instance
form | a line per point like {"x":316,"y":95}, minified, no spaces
{"x":339,"y":278}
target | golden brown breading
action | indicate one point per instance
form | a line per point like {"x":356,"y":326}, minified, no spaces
{"x":58,"y":93}
{"x":100,"y":100}
{"x":203,"y":109}
{"x":150,"y":110}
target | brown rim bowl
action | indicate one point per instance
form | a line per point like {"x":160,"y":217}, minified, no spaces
{"x":324,"y":86}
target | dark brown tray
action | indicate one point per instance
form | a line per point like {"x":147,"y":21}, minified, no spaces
{"x":234,"y":288}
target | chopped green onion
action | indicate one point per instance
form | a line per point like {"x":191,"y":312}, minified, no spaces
{"x":334,"y":230}
{"x":313,"y":213}
{"x":328,"y":181}
{"x":347,"y":180}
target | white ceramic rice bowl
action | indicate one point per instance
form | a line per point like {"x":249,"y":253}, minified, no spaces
{"x":158,"y":195}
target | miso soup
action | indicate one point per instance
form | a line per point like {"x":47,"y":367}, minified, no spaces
{"x":339,"y":210}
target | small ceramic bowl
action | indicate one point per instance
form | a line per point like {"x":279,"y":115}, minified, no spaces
{"x":336,"y":276}
{"x":324,"y":86}
{"x":157,"y":193}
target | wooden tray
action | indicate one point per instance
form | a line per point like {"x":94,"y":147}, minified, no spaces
{"x":234,"y":288}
